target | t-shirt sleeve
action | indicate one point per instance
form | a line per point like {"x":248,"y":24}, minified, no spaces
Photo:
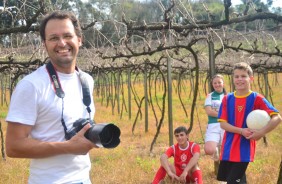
{"x":208,"y":101}
{"x":263,"y":104}
{"x":195,"y":148}
{"x":23,"y":105}
{"x":169,"y":152}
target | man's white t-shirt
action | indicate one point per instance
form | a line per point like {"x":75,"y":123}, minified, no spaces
{"x":35,"y":103}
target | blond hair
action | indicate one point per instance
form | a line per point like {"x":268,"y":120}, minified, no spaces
{"x":217,"y":76}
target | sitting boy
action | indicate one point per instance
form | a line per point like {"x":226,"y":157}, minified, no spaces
{"x":186,"y":155}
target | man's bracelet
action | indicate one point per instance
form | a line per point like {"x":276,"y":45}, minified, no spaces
{"x":241,"y":131}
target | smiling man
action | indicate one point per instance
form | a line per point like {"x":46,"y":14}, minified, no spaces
{"x":45,"y":104}
{"x":62,"y":39}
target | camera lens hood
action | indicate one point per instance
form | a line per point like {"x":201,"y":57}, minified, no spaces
{"x":104,"y":135}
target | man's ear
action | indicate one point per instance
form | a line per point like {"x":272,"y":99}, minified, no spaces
{"x":80,"y":40}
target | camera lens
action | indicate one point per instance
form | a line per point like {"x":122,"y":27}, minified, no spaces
{"x":104,"y":135}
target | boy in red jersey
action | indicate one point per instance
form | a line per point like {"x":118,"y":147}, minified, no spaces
{"x":239,"y":142}
{"x":186,"y":155}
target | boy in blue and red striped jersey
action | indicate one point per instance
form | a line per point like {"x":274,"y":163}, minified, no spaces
{"x":186,"y":155}
{"x":239,"y":142}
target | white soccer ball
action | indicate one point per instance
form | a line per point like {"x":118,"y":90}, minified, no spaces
{"x":257,"y":119}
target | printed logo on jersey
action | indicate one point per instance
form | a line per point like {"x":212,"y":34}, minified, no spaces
{"x":215,"y":98}
{"x":240,"y":108}
{"x":183,"y":157}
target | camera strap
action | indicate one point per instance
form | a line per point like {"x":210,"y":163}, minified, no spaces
{"x":60,"y":93}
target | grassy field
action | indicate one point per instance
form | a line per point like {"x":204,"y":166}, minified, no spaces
{"x":133,"y":163}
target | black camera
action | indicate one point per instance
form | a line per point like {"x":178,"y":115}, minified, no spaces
{"x":102,"y":135}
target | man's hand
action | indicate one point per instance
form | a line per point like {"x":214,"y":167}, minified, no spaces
{"x":79,"y":145}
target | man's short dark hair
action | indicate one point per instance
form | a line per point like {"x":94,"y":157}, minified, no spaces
{"x":61,"y":15}
{"x":181,"y":129}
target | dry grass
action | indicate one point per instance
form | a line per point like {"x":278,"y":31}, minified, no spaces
{"x":132,"y":163}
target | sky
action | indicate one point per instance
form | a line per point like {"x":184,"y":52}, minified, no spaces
{"x":276,"y":3}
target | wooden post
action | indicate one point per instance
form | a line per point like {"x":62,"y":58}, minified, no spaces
{"x":2,"y":143}
{"x":211,"y":63}
{"x":2,"y":91}
{"x":279,"y":181}
{"x":146,"y":98}
{"x":129,"y":92}
{"x":266,"y":96}
{"x":169,"y":85}
{"x":118,"y":91}
{"x":212,"y":73}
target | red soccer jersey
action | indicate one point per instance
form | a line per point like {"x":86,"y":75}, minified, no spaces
{"x":234,"y":110}
{"x":182,"y":156}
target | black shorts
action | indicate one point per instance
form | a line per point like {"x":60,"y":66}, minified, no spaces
{"x":232,"y":172}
